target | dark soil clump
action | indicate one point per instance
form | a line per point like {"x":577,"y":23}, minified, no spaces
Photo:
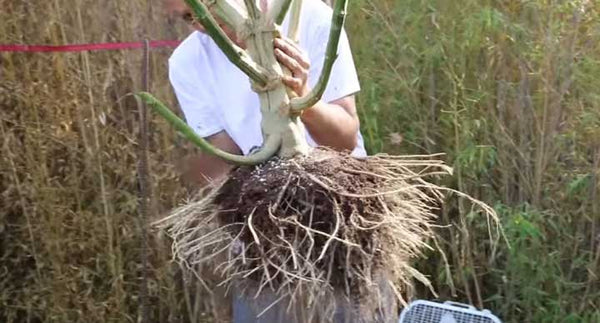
{"x":283,"y":193}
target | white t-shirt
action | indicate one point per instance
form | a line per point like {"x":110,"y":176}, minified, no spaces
{"x":215,"y":95}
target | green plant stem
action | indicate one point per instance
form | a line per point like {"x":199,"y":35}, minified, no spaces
{"x":268,"y":150}
{"x":337,"y":24}
{"x":280,"y":10}
{"x":253,"y":11}
{"x":234,"y":53}
{"x":294,"y":24}
{"x":231,"y":13}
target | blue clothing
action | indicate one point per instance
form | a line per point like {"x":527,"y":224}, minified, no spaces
{"x":247,"y":308}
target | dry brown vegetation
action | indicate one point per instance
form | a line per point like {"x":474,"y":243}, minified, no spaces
{"x":508,"y":89}
{"x":69,"y":223}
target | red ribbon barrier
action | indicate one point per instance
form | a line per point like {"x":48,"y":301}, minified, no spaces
{"x":86,"y":47}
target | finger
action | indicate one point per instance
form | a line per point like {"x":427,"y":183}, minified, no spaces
{"x":292,"y":43}
{"x":290,"y":63}
{"x":292,"y":82}
{"x":297,"y":53}
{"x":294,"y":52}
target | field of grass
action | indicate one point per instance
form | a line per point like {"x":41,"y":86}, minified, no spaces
{"x":509,"y":90}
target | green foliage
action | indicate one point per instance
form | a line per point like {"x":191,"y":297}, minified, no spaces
{"x":537,"y":273}
{"x":509,"y":90}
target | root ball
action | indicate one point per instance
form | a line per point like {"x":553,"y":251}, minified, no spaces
{"x":323,"y":227}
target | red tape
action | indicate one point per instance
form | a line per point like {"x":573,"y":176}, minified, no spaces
{"x":86,"y":47}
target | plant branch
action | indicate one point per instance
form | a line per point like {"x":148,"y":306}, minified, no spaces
{"x":231,"y":13}
{"x":279,"y":10}
{"x":253,"y":11}
{"x":294,"y":25}
{"x":235,"y":54}
{"x":268,"y":150}
{"x":337,"y":24}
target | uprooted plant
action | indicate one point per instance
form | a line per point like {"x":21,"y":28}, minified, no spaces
{"x":311,"y":226}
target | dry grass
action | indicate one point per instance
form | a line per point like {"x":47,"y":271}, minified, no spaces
{"x":508,"y":89}
{"x":69,"y":227}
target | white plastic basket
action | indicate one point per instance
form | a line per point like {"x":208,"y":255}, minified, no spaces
{"x":447,"y":312}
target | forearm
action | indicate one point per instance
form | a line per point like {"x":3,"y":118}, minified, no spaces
{"x":331,"y":125}
{"x":203,"y":169}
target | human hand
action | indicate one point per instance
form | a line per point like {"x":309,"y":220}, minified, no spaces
{"x":290,"y":55}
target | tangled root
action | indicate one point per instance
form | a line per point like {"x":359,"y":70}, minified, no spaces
{"x":316,"y":232}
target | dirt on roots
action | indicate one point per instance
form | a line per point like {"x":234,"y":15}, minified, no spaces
{"x":323,"y":227}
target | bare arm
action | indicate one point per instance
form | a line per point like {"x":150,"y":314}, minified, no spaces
{"x":202,"y":169}
{"x":333,"y":124}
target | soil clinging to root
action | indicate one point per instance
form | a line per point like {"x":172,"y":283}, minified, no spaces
{"x":314,"y":228}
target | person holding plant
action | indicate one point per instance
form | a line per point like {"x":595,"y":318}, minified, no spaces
{"x":220,"y":105}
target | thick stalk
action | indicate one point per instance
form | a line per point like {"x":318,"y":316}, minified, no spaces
{"x":253,"y":11}
{"x":231,"y":13}
{"x":274,"y":100}
{"x":235,"y":54}
{"x":278,"y":11}
{"x":269,"y":149}
{"x":294,"y":25}
{"x":293,"y":29}
{"x":337,"y":24}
